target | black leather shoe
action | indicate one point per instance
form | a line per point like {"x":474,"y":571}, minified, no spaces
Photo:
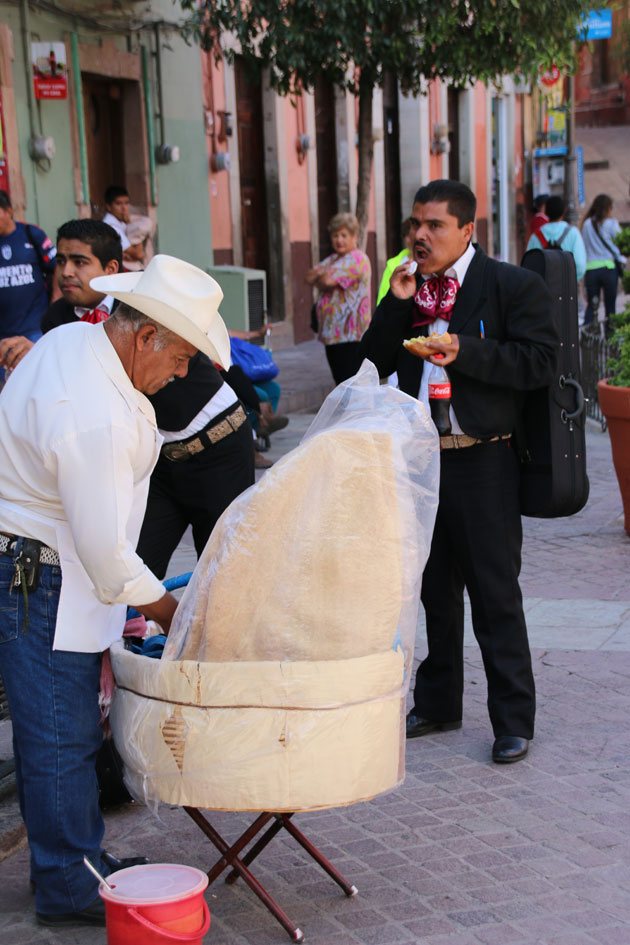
{"x":115,"y":864}
{"x":417,"y":726}
{"x":509,"y":748}
{"x":94,"y":914}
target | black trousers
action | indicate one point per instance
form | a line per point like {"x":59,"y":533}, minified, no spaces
{"x":194,"y":492}
{"x":477,"y":545}
{"x":344,"y":360}
{"x":597,"y":281}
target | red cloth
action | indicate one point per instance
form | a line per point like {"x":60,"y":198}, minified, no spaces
{"x":435,"y":299}
{"x":95,"y":316}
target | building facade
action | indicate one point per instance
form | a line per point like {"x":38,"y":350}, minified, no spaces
{"x":131,"y":113}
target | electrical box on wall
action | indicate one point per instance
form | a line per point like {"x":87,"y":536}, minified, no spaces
{"x":244,"y":304}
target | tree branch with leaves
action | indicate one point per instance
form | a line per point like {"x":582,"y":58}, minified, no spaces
{"x":355,"y":43}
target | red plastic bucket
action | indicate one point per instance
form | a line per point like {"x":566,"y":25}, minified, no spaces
{"x":156,"y":904}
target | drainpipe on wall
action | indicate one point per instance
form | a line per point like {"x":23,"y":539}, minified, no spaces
{"x":148,"y":110}
{"x":79,"y":114}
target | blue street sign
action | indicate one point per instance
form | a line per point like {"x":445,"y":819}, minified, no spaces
{"x":597,"y":24}
{"x":579,"y":153}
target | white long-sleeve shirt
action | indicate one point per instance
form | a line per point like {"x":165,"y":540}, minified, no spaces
{"x":78,"y":444}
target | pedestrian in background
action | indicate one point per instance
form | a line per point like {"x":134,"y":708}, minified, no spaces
{"x":540,"y":215}
{"x":557,"y":234}
{"x":604,"y":261}
{"x":406,"y":233}
{"x":27,"y":260}
{"x":343,"y":306}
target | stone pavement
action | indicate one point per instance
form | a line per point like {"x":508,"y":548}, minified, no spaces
{"x":464,"y":852}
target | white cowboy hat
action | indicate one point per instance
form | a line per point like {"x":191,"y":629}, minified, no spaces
{"x":179,"y":296}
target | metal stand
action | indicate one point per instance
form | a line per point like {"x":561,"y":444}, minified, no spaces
{"x":239,"y":865}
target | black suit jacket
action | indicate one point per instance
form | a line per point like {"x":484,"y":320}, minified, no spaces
{"x":59,"y":313}
{"x":490,"y":375}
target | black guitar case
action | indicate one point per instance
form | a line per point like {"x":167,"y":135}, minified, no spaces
{"x":551,"y":437}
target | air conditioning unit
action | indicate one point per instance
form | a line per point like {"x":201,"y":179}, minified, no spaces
{"x":244,"y":304}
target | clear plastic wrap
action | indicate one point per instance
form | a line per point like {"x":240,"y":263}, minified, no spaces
{"x":283,"y":681}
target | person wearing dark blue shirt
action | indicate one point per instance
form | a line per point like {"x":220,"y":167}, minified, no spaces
{"x":26,"y":258}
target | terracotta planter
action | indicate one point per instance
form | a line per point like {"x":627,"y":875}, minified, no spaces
{"x":614,"y":403}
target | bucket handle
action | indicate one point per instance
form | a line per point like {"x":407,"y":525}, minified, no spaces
{"x":175,"y":936}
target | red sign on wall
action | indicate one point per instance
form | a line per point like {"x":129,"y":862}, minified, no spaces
{"x":50,"y":70}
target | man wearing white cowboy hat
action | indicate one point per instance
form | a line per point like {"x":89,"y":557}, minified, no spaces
{"x":78,"y":442}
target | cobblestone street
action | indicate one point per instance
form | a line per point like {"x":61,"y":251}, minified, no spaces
{"x":464,"y":852}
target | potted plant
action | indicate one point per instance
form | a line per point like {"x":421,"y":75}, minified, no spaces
{"x":614,"y":401}
{"x":622,"y":240}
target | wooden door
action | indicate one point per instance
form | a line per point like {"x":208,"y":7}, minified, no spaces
{"x":251,"y":154}
{"x":326,"y":148}
{"x":391,"y":129}
{"x":103,"y":113}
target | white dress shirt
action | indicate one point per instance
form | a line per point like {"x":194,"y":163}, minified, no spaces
{"x":78,"y":444}
{"x":120,"y":227}
{"x":457,"y":271}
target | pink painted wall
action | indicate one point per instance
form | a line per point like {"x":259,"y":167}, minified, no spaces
{"x":435,"y":118}
{"x":481,"y":157}
{"x":219,"y":183}
{"x":297,"y":172}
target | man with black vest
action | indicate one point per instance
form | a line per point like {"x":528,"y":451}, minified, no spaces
{"x":208,"y":456}
{"x":501,"y":342}
{"x":206,"y":461}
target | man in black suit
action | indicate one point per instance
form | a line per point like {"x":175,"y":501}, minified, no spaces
{"x":502,"y":344}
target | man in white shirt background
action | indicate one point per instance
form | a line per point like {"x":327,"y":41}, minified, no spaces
{"x":78,"y":442}
{"x":118,"y":216}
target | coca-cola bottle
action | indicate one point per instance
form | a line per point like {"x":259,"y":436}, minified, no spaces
{"x":440,"y":399}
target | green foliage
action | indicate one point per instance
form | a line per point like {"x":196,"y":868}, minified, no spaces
{"x":462,"y":40}
{"x":619,"y":364}
{"x":355,"y":43}
{"x":622,"y":240}
{"x":618,"y":367}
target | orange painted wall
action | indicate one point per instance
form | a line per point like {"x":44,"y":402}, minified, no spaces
{"x":435,"y":118}
{"x":481,"y":157}
{"x":214,"y":101}
{"x":297,"y":173}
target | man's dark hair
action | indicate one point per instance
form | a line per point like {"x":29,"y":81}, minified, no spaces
{"x":540,"y":201}
{"x":5,"y":200}
{"x":460,"y":200}
{"x":113,"y":192}
{"x":102,"y":238}
{"x":555,"y":208}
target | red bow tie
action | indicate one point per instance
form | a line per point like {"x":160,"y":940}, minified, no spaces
{"x":95,"y":316}
{"x":435,"y":299}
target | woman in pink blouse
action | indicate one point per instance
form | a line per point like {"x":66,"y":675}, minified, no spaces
{"x":343,"y":306}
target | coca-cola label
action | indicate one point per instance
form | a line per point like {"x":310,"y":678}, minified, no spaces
{"x":439,"y":391}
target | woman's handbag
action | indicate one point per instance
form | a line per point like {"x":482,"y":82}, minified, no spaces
{"x":256,"y":362}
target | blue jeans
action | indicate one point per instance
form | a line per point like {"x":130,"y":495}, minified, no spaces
{"x":269,"y":390}
{"x":597,"y":281}
{"x":53,"y":700}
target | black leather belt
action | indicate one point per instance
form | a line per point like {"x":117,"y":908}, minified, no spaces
{"x":217,"y":430}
